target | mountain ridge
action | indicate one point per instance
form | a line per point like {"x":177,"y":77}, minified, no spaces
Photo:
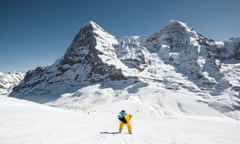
{"x":176,"y":57}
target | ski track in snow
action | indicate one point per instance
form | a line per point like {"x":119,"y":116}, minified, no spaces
{"x":23,"y":122}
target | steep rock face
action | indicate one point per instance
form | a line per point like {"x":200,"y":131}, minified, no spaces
{"x":8,"y":81}
{"x":175,"y":34}
{"x":189,"y":51}
{"x":229,"y":49}
{"x":92,"y":48}
{"x":132,"y":53}
{"x":90,"y":58}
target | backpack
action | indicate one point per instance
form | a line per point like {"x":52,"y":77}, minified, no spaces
{"x":122,"y":119}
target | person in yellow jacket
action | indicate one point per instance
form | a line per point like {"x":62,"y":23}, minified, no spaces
{"x":125,"y":120}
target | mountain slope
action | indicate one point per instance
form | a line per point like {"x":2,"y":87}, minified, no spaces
{"x":24,"y":122}
{"x":175,"y":58}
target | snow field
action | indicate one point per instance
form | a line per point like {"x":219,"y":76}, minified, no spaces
{"x":23,"y":122}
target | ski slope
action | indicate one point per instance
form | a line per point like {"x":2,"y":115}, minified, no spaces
{"x":24,"y":122}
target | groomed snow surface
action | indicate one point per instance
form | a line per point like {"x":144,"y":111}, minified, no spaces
{"x":24,"y":122}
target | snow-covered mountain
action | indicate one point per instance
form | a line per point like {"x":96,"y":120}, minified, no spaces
{"x":89,"y":59}
{"x":9,"y":80}
{"x":175,"y":58}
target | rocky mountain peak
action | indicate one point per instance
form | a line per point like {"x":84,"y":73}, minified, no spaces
{"x":176,"y":34}
{"x":90,"y":58}
{"x":177,"y":25}
{"x":174,"y":30}
{"x":91,"y":39}
{"x":93,"y":25}
{"x":92,"y":48}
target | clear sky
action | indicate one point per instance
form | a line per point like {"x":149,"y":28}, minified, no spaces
{"x":37,"y":32}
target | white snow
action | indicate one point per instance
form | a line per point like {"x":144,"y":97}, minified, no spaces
{"x":9,"y":80}
{"x":23,"y":122}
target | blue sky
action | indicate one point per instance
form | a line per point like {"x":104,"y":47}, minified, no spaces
{"x":37,"y":32}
